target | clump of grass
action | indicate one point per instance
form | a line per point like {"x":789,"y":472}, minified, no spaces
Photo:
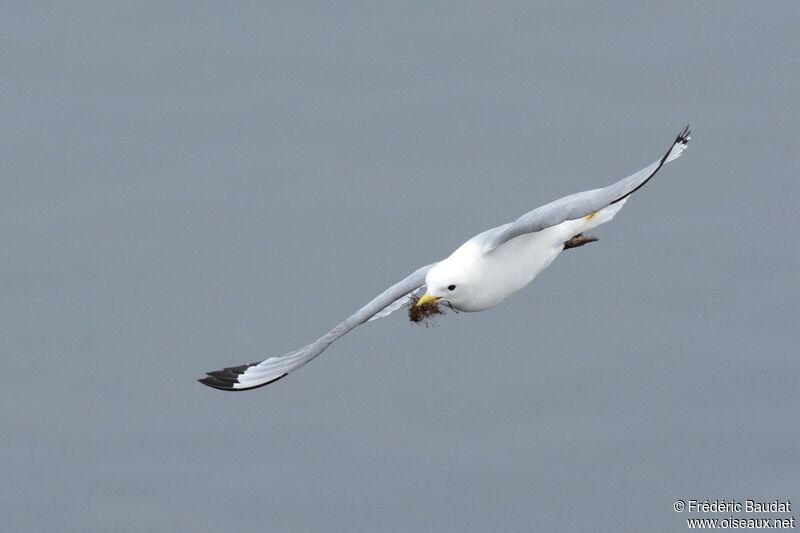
{"x":425,"y":314}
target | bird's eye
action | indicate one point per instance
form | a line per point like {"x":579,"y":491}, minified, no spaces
{"x":451,"y":288}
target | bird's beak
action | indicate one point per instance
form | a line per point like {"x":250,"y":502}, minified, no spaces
{"x":427,"y":298}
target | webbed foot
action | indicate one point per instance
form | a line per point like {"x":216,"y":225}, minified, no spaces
{"x":578,"y":240}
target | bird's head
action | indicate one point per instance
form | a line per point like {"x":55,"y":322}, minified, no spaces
{"x":452,"y":281}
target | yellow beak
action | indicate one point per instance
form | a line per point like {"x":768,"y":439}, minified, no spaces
{"x":427,"y":298}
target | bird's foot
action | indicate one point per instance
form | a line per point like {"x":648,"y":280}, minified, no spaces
{"x":578,"y":240}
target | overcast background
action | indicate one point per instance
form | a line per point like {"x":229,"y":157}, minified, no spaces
{"x":188,"y":186}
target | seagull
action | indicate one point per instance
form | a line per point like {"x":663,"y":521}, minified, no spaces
{"x":478,"y":275}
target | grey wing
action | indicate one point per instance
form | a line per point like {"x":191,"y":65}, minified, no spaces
{"x":254,"y":375}
{"x":581,"y":204}
{"x":403,"y":301}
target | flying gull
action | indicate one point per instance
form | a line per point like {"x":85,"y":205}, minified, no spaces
{"x":480,"y":274}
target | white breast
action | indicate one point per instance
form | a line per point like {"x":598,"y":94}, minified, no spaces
{"x":514,"y":264}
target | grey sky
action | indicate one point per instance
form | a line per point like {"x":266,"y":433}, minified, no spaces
{"x":188,"y":186}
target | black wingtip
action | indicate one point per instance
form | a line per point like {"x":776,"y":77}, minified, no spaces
{"x":227,"y":378}
{"x":215,"y":383}
{"x":683,"y":137}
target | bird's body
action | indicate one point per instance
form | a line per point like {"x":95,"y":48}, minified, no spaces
{"x":478,"y":275}
{"x":501,"y":272}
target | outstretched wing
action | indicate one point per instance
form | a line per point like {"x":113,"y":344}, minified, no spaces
{"x":254,"y":375}
{"x":581,"y":204}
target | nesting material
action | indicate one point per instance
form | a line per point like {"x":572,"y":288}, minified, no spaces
{"x":424,"y":314}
